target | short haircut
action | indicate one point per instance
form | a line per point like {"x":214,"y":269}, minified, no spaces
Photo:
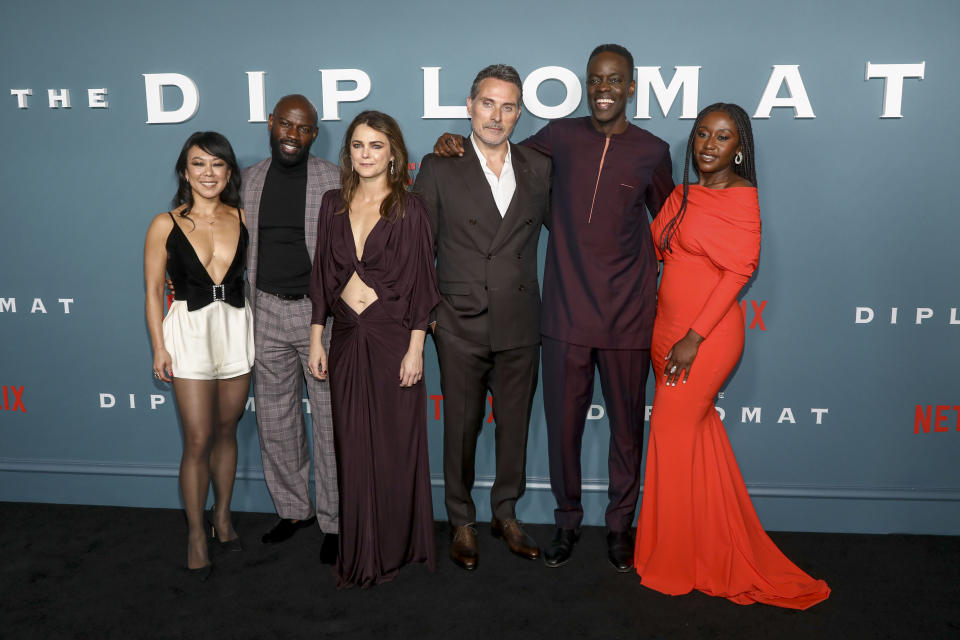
{"x":500,"y":72}
{"x":613,"y":48}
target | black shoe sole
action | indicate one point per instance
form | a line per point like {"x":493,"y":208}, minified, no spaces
{"x":555,"y":565}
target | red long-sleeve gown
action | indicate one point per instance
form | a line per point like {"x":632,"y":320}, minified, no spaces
{"x":698,"y":528}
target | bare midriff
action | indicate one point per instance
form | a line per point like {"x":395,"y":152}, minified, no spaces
{"x":357,"y":294}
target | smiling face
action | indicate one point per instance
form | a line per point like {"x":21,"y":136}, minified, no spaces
{"x":715,"y":143}
{"x":369,"y":152}
{"x":293,"y":128}
{"x":494,"y":111}
{"x":206,"y":173}
{"x":609,"y":86}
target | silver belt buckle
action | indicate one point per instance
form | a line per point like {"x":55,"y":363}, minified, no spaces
{"x":219,"y":293}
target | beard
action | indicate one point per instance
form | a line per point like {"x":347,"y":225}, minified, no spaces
{"x":287,"y":159}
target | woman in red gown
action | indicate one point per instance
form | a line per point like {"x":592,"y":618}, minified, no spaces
{"x":697,"y":527}
{"x":374,"y":273}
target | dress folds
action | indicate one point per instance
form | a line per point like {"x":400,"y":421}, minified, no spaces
{"x":386,"y":509}
{"x":698,"y":528}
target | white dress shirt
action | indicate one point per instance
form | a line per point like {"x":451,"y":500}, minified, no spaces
{"x":503,"y":186}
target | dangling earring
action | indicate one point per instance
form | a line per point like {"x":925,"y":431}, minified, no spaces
{"x":392,"y":167}
{"x":738,"y":159}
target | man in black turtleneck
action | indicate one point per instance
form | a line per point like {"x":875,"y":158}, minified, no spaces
{"x":281,"y":196}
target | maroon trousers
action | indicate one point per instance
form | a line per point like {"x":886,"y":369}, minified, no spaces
{"x":568,"y":371}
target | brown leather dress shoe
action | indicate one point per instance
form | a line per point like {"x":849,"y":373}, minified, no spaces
{"x":463,"y":547}
{"x":517,"y":539}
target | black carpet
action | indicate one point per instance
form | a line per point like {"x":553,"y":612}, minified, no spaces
{"x":106,"y":572}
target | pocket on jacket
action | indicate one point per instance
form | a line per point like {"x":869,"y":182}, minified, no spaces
{"x":454,"y":288}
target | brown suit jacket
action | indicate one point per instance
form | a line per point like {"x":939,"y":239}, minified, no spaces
{"x":487,"y":265}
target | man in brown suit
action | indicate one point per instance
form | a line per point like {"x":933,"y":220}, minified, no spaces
{"x":486,"y":209}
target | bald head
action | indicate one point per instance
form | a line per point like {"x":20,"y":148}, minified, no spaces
{"x":293,"y":128}
{"x":300,"y":102}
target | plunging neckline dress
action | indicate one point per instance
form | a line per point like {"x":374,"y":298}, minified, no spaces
{"x":380,"y":437}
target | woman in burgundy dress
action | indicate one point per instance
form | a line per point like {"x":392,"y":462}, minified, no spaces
{"x":374,"y":273}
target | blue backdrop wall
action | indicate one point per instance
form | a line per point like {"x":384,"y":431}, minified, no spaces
{"x":844,"y":412}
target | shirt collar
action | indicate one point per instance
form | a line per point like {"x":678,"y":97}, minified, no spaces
{"x":507,"y":160}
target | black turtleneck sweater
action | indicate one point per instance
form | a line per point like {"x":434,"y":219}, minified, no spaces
{"x":283,"y":264}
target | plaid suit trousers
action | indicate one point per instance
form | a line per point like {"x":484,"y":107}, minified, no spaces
{"x":282,"y":344}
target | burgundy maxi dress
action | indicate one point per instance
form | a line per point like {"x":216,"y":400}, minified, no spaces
{"x":386,"y":510}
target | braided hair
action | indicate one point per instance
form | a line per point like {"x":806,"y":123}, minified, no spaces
{"x":746,"y":169}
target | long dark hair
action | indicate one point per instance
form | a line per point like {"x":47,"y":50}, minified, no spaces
{"x":216,"y":145}
{"x":746,"y":169}
{"x":398,"y":179}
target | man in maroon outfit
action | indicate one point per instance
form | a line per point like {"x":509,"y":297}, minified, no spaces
{"x":599,"y":293}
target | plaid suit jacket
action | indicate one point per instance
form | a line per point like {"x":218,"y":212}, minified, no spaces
{"x":321,"y":176}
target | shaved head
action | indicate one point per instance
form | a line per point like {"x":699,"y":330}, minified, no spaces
{"x":297,"y":101}
{"x":293,"y":128}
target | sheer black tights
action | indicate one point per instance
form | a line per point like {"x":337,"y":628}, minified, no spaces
{"x":209,"y":412}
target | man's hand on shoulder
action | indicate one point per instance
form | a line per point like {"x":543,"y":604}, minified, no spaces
{"x":449,"y":145}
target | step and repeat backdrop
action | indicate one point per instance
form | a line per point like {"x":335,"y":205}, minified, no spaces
{"x":844,"y":412}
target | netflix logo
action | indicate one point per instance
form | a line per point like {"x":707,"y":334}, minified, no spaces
{"x":940,"y":417}
{"x":13,"y":399}
{"x":753,"y":316}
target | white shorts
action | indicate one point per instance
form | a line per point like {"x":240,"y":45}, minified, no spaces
{"x":212,"y":343}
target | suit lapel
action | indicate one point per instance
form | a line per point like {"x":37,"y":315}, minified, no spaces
{"x":312,"y":205}
{"x":254,"y":192}
{"x":512,"y":217}
{"x":478,"y":190}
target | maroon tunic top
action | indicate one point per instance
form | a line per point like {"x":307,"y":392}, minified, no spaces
{"x":397,"y":262}
{"x":600,"y":279}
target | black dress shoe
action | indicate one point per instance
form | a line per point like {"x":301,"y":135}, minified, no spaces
{"x":329,"y":548}
{"x":561,"y":547}
{"x":285,"y":528}
{"x":620,"y":550}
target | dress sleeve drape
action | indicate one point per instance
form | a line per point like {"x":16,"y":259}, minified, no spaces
{"x":416,"y":271}
{"x":321,"y":307}
{"x":730,"y":239}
